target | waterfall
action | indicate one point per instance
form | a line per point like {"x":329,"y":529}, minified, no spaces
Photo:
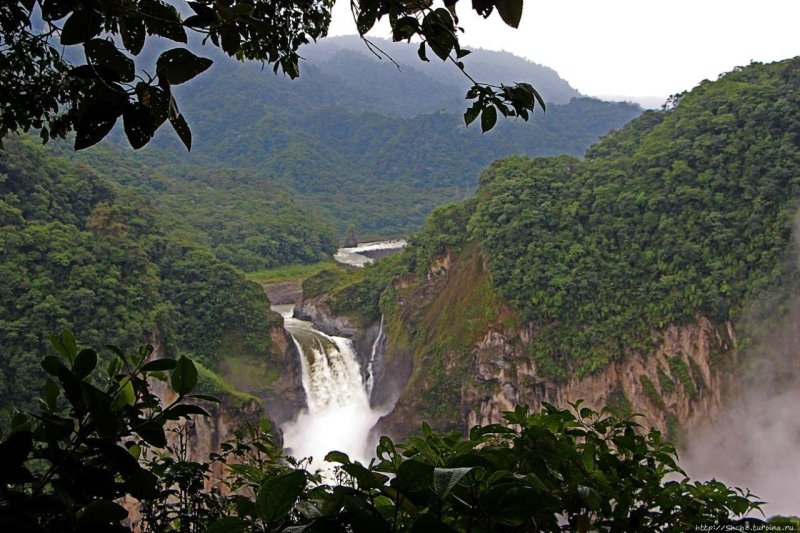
{"x":370,"y":364}
{"x":338,"y":415}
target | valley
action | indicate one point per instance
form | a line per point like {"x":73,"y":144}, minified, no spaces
{"x":341,"y":267}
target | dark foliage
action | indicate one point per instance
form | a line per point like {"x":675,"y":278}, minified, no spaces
{"x":77,"y":254}
{"x":102,"y":436}
{"x":89,"y":97}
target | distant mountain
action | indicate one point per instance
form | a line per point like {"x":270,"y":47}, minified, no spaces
{"x":345,"y":56}
{"x":365,"y":143}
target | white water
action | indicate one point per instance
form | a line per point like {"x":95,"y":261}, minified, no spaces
{"x":352,"y":255}
{"x":371,"y":364}
{"x":338,"y":415}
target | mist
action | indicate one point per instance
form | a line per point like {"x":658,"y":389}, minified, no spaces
{"x":755,"y":442}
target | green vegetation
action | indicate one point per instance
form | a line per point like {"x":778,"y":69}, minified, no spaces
{"x":354,"y":167}
{"x":212,"y":383}
{"x":46,"y":85}
{"x":101,"y":436}
{"x":244,"y":219}
{"x":290,"y":272}
{"x":680,"y":370}
{"x":684,"y":212}
{"x":78,"y":254}
{"x":354,"y":292}
{"x":653,"y":396}
{"x":666,"y":382}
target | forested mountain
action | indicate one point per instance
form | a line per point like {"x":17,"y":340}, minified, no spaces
{"x":244,"y":219}
{"x":559,"y":269}
{"x":361,"y":142}
{"x":77,"y":253}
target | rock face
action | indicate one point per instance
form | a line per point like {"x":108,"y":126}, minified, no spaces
{"x":456,"y":385}
{"x":205,"y":433}
{"x":285,"y":396}
{"x":318,"y":311}
{"x":290,"y":292}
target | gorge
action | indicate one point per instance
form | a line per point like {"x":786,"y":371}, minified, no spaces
{"x":642,"y":277}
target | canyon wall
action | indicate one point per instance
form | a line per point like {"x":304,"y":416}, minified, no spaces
{"x":457,"y":356}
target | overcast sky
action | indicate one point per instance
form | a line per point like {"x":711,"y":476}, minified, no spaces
{"x":634,"y":47}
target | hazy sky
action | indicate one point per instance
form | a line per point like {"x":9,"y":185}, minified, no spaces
{"x":634,"y":47}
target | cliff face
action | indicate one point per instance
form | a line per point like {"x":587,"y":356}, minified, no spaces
{"x":461,"y":355}
{"x":205,"y":433}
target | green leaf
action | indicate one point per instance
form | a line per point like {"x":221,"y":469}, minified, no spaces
{"x":513,"y":504}
{"x":108,"y":62}
{"x":182,"y":129}
{"x":119,"y":353}
{"x":366,"y":478}
{"x":444,"y":479}
{"x":184,"y":377}
{"x":114,"y":366}
{"x":80,"y":27}
{"x":56,"y":9}
{"x":180,"y":65}
{"x":101,"y":109}
{"x":102,"y":512}
{"x":159,"y":364}
{"x":135,"y":450}
{"x":277,"y":495}
{"x":184,"y":411}
{"x":125,"y":396}
{"x":51,"y":393}
{"x":337,"y":457}
{"x":405,"y":28}
{"x":421,"y":52}
{"x":229,"y":524}
{"x":510,"y":11}
{"x":65,"y":345}
{"x":488,"y":118}
{"x":472,"y":113}
{"x":413,"y":476}
{"x":133,"y":33}
{"x":153,"y":434}
{"x":230,"y":39}
{"x":92,"y":131}
{"x":205,"y":397}
{"x":15,"y":449}
{"x":52,"y":365}
{"x":139,"y":124}
{"x":84,"y":363}
{"x":428,"y":523}
{"x":162,"y":19}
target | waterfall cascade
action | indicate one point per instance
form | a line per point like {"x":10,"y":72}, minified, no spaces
{"x":338,"y":414}
{"x":371,"y":363}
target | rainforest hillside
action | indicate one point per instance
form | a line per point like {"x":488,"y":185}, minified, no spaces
{"x":357,"y":140}
{"x":683,"y":212}
{"x":684,"y":215}
{"x":80,"y":253}
{"x":247,"y":220}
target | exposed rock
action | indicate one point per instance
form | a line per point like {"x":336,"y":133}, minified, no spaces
{"x":676,"y":387}
{"x":290,"y":292}
{"x":318,"y":312}
{"x":285,"y":397}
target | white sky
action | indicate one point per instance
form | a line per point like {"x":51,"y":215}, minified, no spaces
{"x":633,"y":47}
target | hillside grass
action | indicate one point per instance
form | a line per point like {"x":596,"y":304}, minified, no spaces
{"x":290,"y":272}
{"x":212,"y":383}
